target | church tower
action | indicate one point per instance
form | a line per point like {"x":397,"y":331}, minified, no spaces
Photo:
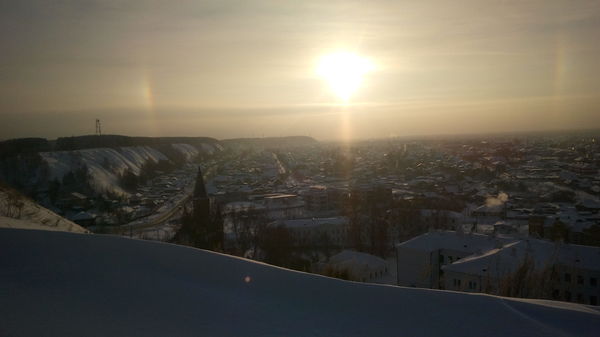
{"x":200,"y":199}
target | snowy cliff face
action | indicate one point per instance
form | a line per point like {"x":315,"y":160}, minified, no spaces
{"x":105,"y":165}
{"x":63,"y":284}
{"x":189,"y":151}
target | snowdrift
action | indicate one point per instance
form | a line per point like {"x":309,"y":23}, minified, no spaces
{"x":65,"y":284}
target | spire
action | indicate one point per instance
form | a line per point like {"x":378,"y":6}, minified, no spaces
{"x":200,"y":189}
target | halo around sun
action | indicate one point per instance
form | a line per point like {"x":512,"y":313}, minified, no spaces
{"x":344,"y":72}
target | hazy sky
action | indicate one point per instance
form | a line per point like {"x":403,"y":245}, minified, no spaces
{"x":247,"y":68}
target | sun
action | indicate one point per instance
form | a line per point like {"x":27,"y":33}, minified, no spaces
{"x":344,"y":72}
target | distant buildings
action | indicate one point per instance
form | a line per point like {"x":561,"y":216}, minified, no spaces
{"x":500,"y":265}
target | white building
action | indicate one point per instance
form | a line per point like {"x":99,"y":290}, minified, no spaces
{"x":420,"y":259}
{"x":570,"y":272}
{"x":280,"y":206}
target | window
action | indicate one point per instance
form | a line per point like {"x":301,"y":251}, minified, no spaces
{"x":441,"y":259}
{"x":579,"y":279}
{"x":593,"y":282}
{"x":568,"y":296}
{"x":556,"y":294}
{"x":457,"y":283}
{"x":579,"y":298}
{"x":593,"y":300}
{"x":567,"y":277}
{"x":472,"y":285}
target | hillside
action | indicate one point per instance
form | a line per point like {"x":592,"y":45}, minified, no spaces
{"x":13,"y":147}
{"x":104,"y":165}
{"x":64,"y":284}
{"x":34,"y":164}
{"x":17,"y":211}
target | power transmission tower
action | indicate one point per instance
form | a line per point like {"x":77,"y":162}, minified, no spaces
{"x":98,"y":128}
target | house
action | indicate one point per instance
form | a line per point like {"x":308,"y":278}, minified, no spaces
{"x":360,"y":267}
{"x":83,"y":218}
{"x":74,"y":200}
{"x":279,"y":205}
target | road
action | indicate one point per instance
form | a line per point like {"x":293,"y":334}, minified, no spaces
{"x":156,"y":220}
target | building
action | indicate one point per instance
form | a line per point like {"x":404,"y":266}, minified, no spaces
{"x":280,"y":206}
{"x":420,"y":259}
{"x":359,"y":267}
{"x":83,"y":218}
{"x":324,"y":232}
{"x":316,"y":198}
{"x":568,"y":272}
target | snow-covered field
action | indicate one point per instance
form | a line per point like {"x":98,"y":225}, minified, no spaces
{"x":65,"y":284}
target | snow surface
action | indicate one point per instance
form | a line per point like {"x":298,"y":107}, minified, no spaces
{"x":6,"y":222}
{"x":34,"y":216}
{"x":456,"y":241}
{"x":187,"y":150}
{"x":66,"y":284}
{"x":104,"y":164}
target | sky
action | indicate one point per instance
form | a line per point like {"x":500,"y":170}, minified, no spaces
{"x":228,"y":69}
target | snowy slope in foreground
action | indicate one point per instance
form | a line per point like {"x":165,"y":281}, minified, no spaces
{"x":32,"y":215}
{"x":65,"y":284}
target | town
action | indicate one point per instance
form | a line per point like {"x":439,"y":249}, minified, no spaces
{"x":495,"y":214}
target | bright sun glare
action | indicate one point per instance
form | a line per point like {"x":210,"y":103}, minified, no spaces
{"x":343,"y":71}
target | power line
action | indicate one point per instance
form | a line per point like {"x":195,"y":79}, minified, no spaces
{"x":98,"y":128}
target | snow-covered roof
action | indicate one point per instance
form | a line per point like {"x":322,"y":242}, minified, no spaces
{"x":357,"y":260}
{"x":454,"y":241}
{"x":239,"y":206}
{"x":82,"y":216}
{"x":168,"y":290}
{"x":544,"y":253}
{"x":314,"y":222}
{"x":590,"y":203}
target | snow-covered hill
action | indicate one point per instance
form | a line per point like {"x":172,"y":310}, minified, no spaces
{"x":103,"y":164}
{"x":17,"y":211}
{"x":106,"y":164}
{"x":64,"y":284}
